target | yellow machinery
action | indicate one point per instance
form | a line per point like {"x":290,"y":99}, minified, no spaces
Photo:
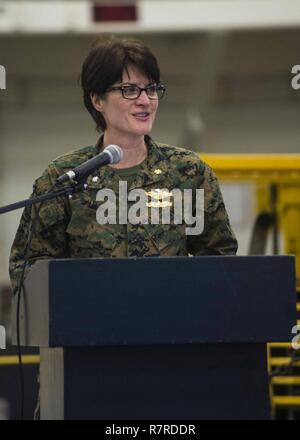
{"x":277,"y":179}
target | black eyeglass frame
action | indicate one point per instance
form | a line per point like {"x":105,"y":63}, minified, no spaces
{"x":141,"y":89}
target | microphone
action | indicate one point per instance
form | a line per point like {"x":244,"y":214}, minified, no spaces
{"x":110,"y":154}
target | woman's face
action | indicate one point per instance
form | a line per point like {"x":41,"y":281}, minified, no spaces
{"x":125,"y":116}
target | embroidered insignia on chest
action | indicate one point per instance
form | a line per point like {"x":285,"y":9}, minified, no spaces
{"x":159,"y":194}
{"x":159,"y":204}
{"x":156,"y":198}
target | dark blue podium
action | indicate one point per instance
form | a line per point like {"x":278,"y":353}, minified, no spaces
{"x":157,"y":338}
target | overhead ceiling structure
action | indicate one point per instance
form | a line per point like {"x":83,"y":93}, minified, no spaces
{"x":142,"y":16}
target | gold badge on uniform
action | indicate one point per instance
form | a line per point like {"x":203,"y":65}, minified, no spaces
{"x":156,"y":198}
{"x":159,"y":194}
{"x":159,"y":204}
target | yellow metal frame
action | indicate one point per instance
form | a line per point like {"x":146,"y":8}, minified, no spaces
{"x":283,"y":171}
{"x":267,"y":168}
{"x":14,"y":360}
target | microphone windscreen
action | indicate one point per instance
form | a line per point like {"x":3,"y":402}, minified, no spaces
{"x":115,"y":153}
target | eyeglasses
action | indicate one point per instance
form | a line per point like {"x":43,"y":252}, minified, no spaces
{"x":132,"y":91}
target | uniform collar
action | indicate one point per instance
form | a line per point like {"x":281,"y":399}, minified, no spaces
{"x":152,"y":170}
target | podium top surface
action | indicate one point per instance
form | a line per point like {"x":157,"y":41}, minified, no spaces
{"x":176,"y":300}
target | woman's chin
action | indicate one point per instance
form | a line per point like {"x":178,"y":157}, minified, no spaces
{"x":142,"y":127}
{"x":143,"y":130}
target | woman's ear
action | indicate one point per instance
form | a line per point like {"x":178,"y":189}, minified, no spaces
{"x":97,"y":102}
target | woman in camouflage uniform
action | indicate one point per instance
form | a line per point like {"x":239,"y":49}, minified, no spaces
{"x":121,"y":88}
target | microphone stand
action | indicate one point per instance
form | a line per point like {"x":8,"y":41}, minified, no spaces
{"x":67,"y":191}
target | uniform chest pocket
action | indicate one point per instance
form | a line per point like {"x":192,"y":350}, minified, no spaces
{"x":84,"y":232}
{"x":169,"y":240}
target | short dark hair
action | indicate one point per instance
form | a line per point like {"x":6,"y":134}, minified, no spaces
{"x":104,"y":66}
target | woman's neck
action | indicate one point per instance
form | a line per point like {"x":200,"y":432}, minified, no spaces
{"x":134,"y":150}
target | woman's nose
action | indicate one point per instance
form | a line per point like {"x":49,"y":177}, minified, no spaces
{"x":143,"y":98}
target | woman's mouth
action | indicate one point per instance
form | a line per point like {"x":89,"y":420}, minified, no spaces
{"x":142,"y":116}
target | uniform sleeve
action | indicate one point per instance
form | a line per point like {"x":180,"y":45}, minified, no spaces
{"x":217,"y":237}
{"x":49,"y":239}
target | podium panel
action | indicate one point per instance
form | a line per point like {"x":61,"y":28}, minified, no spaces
{"x":157,"y":338}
